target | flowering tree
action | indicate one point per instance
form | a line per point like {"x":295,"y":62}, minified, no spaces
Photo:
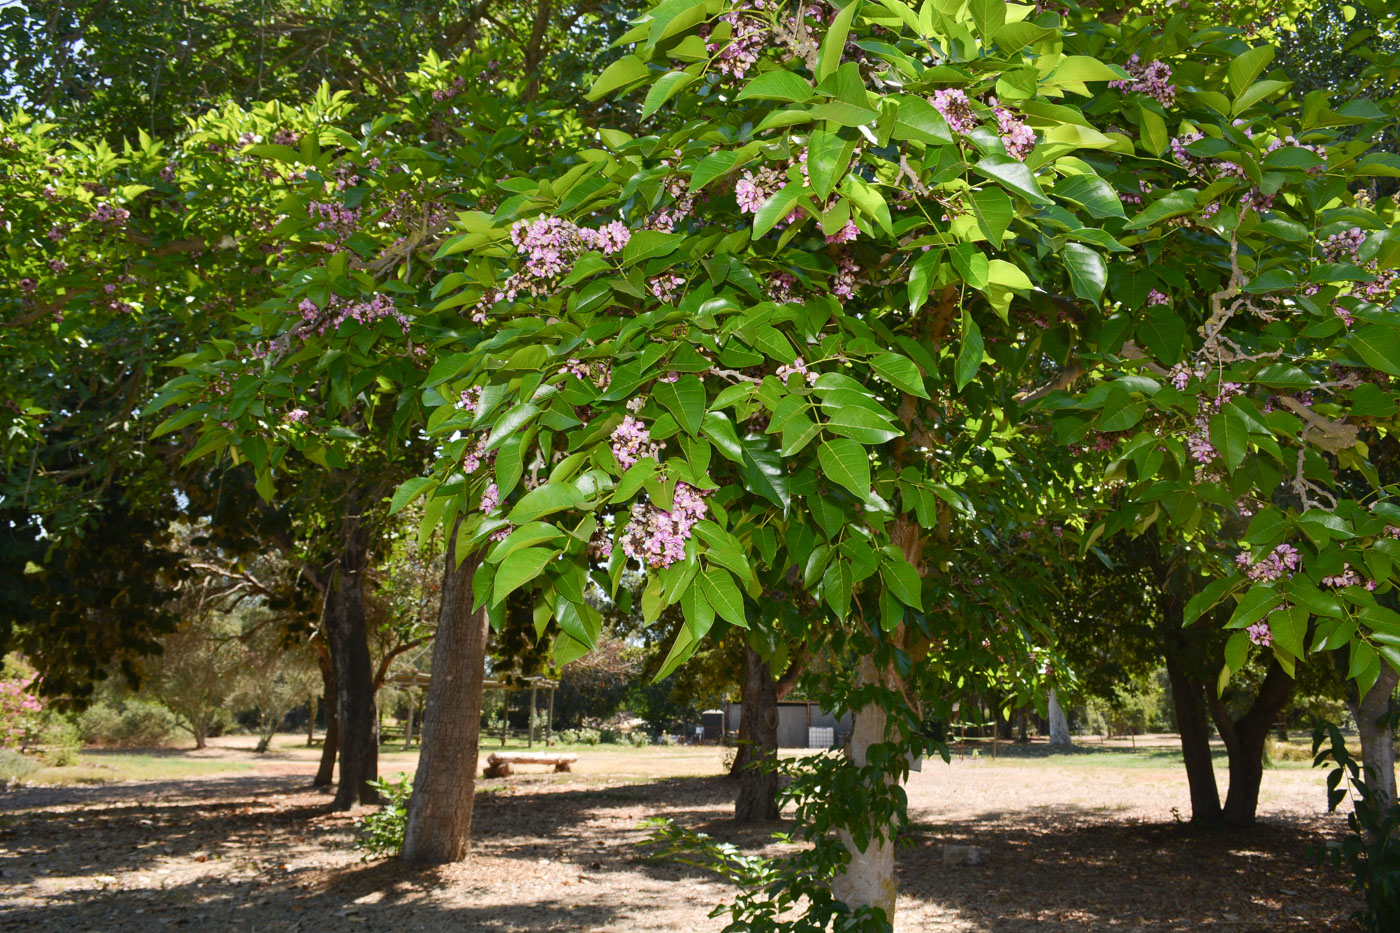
{"x":780,"y":353}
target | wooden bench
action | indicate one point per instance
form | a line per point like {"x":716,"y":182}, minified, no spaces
{"x":498,"y":764}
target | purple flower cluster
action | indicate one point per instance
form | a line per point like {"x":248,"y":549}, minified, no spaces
{"x":598,"y":372}
{"x":469,"y":399}
{"x":756,"y":187}
{"x":631,"y":441}
{"x":665,"y":287}
{"x":953,"y":104}
{"x":1155,"y":297}
{"x":1319,"y":151}
{"x":1344,"y":246}
{"x":798,"y":368}
{"x":1281,"y":560}
{"x":746,"y":41}
{"x":367,"y":313}
{"x":334,"y":218}
{"x":780,"y":286}
{"x":1016,"y":136}
{"x":843,"y":285}
{"x":846,"y":234}
{"x":105,"y":213}
{"x":549,"y":246}
{"x":296,"y":416}
{"x":1259,"y":634}
{"x":1152,"y":79}
{"x":658,"y":537}
{"x":1349,"y":578}
{"x":490,"y":498}
{"x":478,"y":455}
{"x":1200,"y":447}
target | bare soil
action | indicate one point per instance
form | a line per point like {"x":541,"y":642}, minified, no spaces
{"x":1087,"y":841}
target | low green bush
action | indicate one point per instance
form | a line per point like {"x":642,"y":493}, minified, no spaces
{"x":14,"y":767}
{"x":135,"y":723}
{"x":382,"y":831}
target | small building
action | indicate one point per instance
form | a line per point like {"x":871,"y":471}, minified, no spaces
{"x":801,"y":724}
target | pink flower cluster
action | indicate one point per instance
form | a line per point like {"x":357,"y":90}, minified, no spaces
{"x":334,"y":218}
{"x":490,"y":498}
{"x":746,"y":41}
{"x":296,"y":416}
{"x":798,"y":368}
{"x":1282,"y":560}
{"x":469,"y":399}
{"x":631,"y":441}
{"x":599,"y":372}
{"x":1152,"y":79}
{"x":477,"y":456}
{"x":1016,"y":136}
{"x":549,"y":246}
{"x":1259,"y":634}
{"x":657,"y":537}
{"x":953,"y":104}
{"x":367,"y":313}
{"x":755,"y":187}
{"x":1348,"y":578}
{"x":780,"y":286}
{"x":1155,"y":297}
{"x":846,"y":234}
{"x":843,"y":285}
{"x":18,"y":712}
{"x":665,"y":287}
{"x":107,"y":214}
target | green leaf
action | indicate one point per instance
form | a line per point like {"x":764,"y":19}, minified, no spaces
{"x":1091,"y":192}
{"x":1163,"y":332}
{"x":764,"y":472}
{"x":1379,"y":345}
{"x":1012,"y":174}
{"x":717,"y":427}
{"x":1154,"y":137}
{"x":1119,"y":412}
{"x":510,"y":423}
{"x":919,"y":121}
{"x":903,"y":580}
{"x":684,"y":398}
{"x":718,"y":587}
{"x":713,"y":166}
{"x":668,"y":86}
{"x":542,"y":500}
{"x":778,"y":206}
{"x":778,"y":85}
{"x":900,"y":372}
{"x":1206,"y":599}
{"x":1088,"y":273}
{"x":993,"y":210}
{"x":1289,"y":628}
{"x":1171,"y":204}
{"x":1258,"y":601}
{"x":869,"y":199}
{"x":407,"y":492}
{"x":1229,"y":433}
{"x":626,"y":70}
{"x":1245,"y":68}
{"x":649,"y":244}
{"x":845,"y":113}
{"x":527,"y":535}
{"x":829,"y":58}
{"x":828,"y":156}
{"x":845,"y":462}
{"x":861,"y":425}
{"x":520,"y":568}
{"x":969,"y":351}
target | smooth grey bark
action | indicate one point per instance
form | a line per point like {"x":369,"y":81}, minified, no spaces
{"x":868,"y":879}
{"x":1372,"y":715}
{"x":1059,"y":724}
{"x":440,"y":810}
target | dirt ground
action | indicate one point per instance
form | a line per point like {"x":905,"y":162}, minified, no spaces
{"x":1074,"y":842}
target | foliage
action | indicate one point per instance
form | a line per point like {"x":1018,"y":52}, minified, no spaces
{"x":384,"y":828}
{"x":15,"y":767}
{"x":1371,"y":850}
{"x":132,"y":722}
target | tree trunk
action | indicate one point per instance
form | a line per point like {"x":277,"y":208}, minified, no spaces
{"x":758,"y":782}
{"x":1372,"y":715}
{"x":325,"y":774}
{"x":440,"y":810}
{"x":311,"y":720}
{"x":1244,"y":743}
{"x":345,"y":626}
{"x":868,"y":879}
{"x":1059,"y":724}
{"x":1193,"y":725}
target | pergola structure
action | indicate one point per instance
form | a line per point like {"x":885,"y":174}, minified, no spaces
{"x":418,"y":680}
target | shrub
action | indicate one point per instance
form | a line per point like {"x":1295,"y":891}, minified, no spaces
{"x":383,"y":829}
{"x":135,"y":723}
{"x":14,"y":767}
{"x":637,"y":739}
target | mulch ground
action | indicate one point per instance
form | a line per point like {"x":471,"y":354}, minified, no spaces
{"x":261,"y":853}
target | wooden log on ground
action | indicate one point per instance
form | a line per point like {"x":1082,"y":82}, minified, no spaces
{"x":498,"y":764}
